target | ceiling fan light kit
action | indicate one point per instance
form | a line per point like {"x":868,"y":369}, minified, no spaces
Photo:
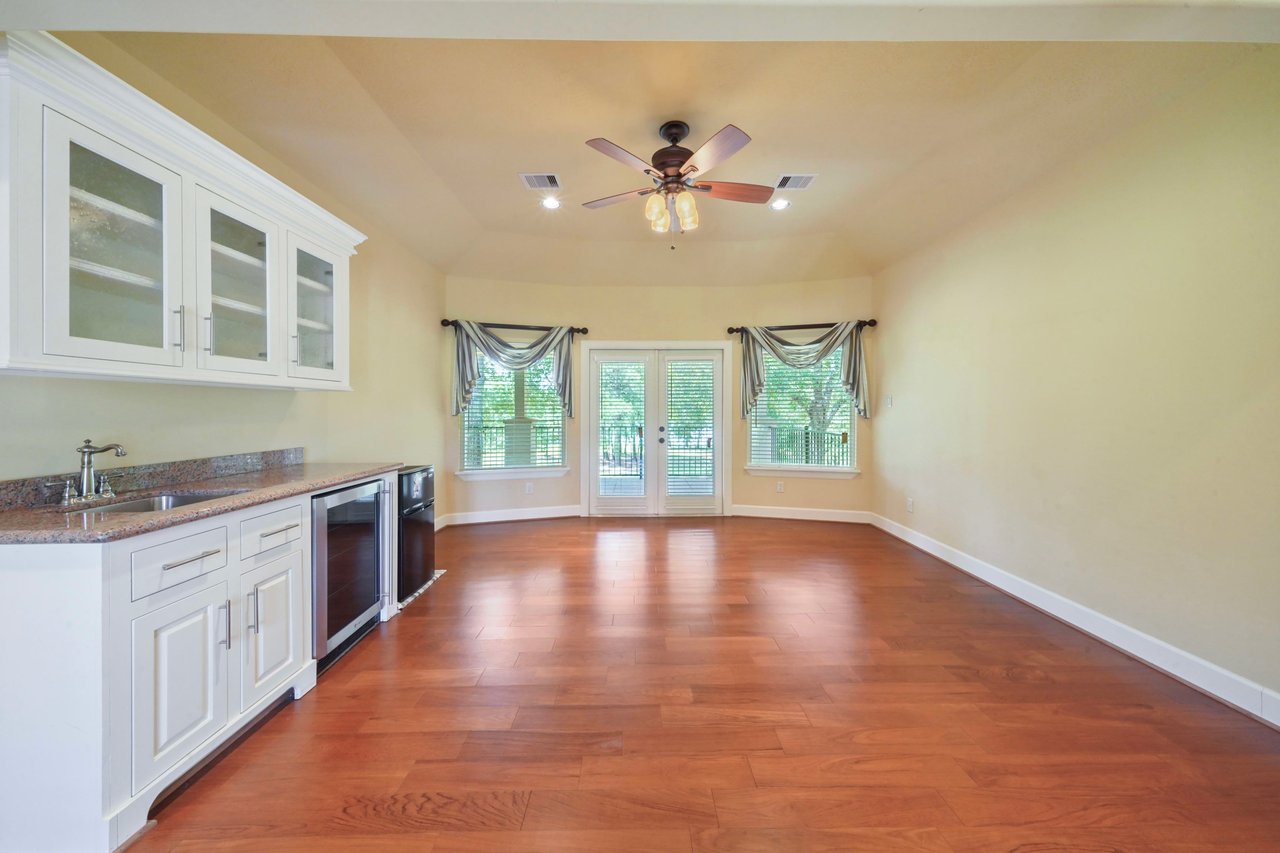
{"x":672,"y":170}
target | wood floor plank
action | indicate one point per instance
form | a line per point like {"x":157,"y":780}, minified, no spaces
{"x":788,"y":840}
{"x":650,"y":771}
{"x":730,"y":684}
{"x":643,"y":808}
{"x":564,"y":841}
{"x":832,"y":807}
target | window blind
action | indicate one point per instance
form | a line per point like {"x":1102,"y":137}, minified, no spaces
{"x":691,"y":454}
{"x":515,"y":419}
{"x":803,"y":416}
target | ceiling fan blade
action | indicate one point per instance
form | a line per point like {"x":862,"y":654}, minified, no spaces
{"x":729,"y":141}
{"x":614,"y":199}
{"x":729,"y":191}
{"x":620,"y":154}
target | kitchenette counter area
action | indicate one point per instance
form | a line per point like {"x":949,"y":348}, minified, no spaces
{"x":163,"y":611}
{"x":227,"y":493}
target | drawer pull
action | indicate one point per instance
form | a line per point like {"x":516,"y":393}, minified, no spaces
{"x":167,"y":566}
{"x":284,"y":529}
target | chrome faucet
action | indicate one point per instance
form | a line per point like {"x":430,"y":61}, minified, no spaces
{"x":87,"y":478}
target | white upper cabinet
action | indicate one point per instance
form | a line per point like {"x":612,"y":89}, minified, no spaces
{"x":112,"y":271}
{"x":238,"y":287}
{"x":317,"y":284}
{"x":141,"y":248}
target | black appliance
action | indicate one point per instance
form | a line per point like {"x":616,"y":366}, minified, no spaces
{"x":417,"y":529}
{"x":347,"y":536}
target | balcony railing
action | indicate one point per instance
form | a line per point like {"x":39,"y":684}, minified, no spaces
{"x":786,"y":445}
{"x":514,"y":444}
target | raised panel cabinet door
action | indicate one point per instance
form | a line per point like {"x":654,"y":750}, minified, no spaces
{"x":112,"y":250}
{"x":275,"y":634}
{"x":317,"y":285}
{"x":238,"y":288}
{"x":179,"y":680}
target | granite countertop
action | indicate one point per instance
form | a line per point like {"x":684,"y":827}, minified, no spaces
{"x":54,"y":524}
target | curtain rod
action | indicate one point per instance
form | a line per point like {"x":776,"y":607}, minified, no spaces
{"x":577,"y":330}
{"x":733,"y":330}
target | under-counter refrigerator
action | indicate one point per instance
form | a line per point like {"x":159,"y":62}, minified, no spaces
{"x":417,"y":530}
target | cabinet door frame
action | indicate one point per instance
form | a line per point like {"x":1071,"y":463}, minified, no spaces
{"x":206,"y":201}
{"x":341,"y":313}
{"x":272,"y":621}
{"x":150,"y":758}
{"x":58,"y":133}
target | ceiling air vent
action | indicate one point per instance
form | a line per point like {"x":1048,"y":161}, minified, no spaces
{"x":794,"y":182}
{"x":539,"y":181}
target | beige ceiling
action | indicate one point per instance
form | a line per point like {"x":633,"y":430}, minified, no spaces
{"x":910,"y":140}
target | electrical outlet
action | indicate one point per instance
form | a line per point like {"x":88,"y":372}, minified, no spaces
{"x":780,"y":487}
{"x":911,"y":504}
{"x":528,"y":488}
{"x":889,"y":401}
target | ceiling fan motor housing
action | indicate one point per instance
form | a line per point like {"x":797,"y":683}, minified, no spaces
{"x":671,"y":159}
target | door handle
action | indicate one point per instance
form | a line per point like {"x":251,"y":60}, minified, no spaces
{"x":227,"y":642}
{"x":284,"y":529}
{"x":182,"y":328}
{"x":167,"y":566}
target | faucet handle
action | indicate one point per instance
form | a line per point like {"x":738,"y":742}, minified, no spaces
{"x":104,"y":487}
{"x":68,"y":490}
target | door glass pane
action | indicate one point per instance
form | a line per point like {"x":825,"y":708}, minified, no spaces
{"x":315,"y":311}
{"x":238,"y":262}
{"x":621,"y":444}
{"x":691,"y":453}
{"x":117,"y":252}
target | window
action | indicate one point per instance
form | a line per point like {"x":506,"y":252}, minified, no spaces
{"x":803,"y":416}
{"x":515,"y":419}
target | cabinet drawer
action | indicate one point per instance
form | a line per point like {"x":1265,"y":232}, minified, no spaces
{"x":178,"y":561}
{"x":270,"y":531}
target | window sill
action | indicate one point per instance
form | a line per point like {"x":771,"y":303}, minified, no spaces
{"x":539,"y":473}
{"x":819,"y":472}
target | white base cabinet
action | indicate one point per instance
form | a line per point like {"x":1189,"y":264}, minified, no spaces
{"x":179,"y":680}
{"x":139,"y":659}
{"x":274,"y":642}
{"x":138,"y":247}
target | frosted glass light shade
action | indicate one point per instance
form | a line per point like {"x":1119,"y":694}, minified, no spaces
{"x":655,"y":207}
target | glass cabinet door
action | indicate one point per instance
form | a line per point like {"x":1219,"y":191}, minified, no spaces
{"x":113,"y":285}
{"x":317,"y":283}
{"x":237,"y":287}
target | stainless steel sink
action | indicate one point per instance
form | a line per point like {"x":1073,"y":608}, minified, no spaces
{"x":159,"y":503}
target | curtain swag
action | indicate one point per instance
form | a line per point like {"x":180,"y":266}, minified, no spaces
{"x":756,"y":340}
{"x":471,"y":339}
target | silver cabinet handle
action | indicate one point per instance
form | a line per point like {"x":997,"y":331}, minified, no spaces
{"x":284,"y":529}
{"x":167,"y":566}
{"x":209,"y":338}
{"x":182,"y":328}
{"x":227,"y":642}
{"x":296,"y":353}
{"x":255,"y":626}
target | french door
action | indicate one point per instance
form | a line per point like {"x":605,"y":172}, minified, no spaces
{"x":656,"y":432}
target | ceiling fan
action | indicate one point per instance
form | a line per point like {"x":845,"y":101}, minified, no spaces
{"x":675,"y":170}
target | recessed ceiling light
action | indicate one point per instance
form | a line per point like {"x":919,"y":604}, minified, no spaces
{"x":779,"y":204}
{"x":551,"y":202}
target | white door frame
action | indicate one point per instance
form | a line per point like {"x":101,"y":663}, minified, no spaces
{"x":587,"y":411}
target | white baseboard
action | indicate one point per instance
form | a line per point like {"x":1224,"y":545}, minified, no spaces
{"x":1231,"y":688}
{"x":796,"y":513}
{"x":517,"y":514}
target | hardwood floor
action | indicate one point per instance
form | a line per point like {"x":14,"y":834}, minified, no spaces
{"x":731,"y":685}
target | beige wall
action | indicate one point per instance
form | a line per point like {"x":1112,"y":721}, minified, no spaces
{"x":659,"y":313}
{"x":1087,"y":382}
{"x":394,"y":413}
